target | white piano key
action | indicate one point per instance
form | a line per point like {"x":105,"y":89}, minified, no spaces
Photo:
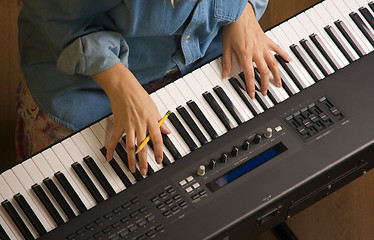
{"x":316,"y":26}
{"x":329,"y":17}
{"x":287,"y":80}
{"x":192,"y":91}
{"x":278,"y":93}
{"x":355,"y":5}
{"x":46,"y":171}
{"x":345,"y":11}
{"x":207,"y":86}
{"x":8,"y":228}
{"x":8,"y":224}
{"x":265,"y":99}
{"x":213,"y":72}
{"x":294,"y":63}
{"x":103,"y":138}
{"x":37,"y":177}
{"x":180,"y":100}
{"x":188,"y":95}
{"x":174,"y":136}
{"x":303,"y":34}
{"x":86,"y":150}
{"x":283,"y":41}
{"x":95,"y":145}
{"x":76,"y":156}
{"x":171,"y":105}
{"x":294,"y":38}
{"x":255,"y":104}
{"x":329,"y":14}
{"x":33,"y":200}
{"x":108,"y":126}
{"x":150,"y":151}
{"x":58,"y":153}
{"x":7,"y":193}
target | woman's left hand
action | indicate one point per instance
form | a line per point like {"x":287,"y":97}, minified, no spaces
{"x":247,"y":40}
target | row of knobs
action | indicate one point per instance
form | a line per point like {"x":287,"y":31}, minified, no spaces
{"x":235,"y":151}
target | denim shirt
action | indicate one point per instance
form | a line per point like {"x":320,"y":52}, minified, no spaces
{"x":63,"y":42}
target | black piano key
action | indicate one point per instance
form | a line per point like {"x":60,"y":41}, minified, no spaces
{"x":170,"y":146}
{"x":9,"y":208}
{"x":30,"y":214}
{"x":350,"y":37}
{"x":70,"y":191}
{"x":296,"y":78}
{"x":191,"y":123}
{"x":258,"y":78}
{"x":304,"y":61}
{"x":312,"y":52}
{"x":138,"y":176}
{"x":99,"y":176}
{"x":229,"y":105}
{"x":182,"y":131}
{"x":59,"y":197}
{"x":339,"y":43}
{"x":165,"y":159}
{"x":367,"y":15}
{"x":242,"y":93}
{"x":87,"y":182}
{"x":362,"y":26}
{"x":371,"y":5}
{"x":3,"y":234}
{"x":115,"y":165}
{"x":47,"y":204}
{"x":203,"y":120}
{"x":218,"y":110}
{"x":325,"y":51}
{"x":150,"y":170}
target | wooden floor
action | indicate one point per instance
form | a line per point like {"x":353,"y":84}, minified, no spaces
{"x":347,"y":214}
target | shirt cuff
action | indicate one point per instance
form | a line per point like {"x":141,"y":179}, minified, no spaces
{"x":93,"y":53}
{"x":259,"y":6}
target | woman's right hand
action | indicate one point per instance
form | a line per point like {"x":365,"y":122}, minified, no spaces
{"x":135,"y":115}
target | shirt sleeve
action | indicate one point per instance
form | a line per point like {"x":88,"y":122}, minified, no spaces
{"x":80,"y":34}
{"x":259,"y":7}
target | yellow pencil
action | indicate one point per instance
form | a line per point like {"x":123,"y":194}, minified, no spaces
{"x":148,"y":137}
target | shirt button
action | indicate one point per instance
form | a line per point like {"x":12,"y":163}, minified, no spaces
{"x":187,"y":37}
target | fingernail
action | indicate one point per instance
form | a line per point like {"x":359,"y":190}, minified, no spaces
{"x":225,"y":74}
{"x":279,"y":84}
{"x":132,"y":169}
{"x":252,"y":95}
{"x":264,"y":93}
{"x":144,"y":171}
{"x":159,"y":160}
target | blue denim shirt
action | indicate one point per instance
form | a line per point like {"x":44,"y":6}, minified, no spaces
{"x":64,"y":42}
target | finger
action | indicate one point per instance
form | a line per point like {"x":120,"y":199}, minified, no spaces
{"x":114,"y":139}
{"x":165,"y":129}
{"x":130,"y":148}
{"x":276,"y":48}
{"x":141,"y":134}
{"x":226,"y":61}
{"x":249,"y":75}
{"x":273,"y":65}
{"x":155,"y":133}
{"x":264,"y":72}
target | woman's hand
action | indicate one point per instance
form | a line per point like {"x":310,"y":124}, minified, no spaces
{"x":246,"y":39}
{"x":135,"y":115}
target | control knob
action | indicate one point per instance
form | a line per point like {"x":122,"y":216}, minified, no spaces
{"x":224,"y":157}
{"x":212,"y":164}
{"x":201,"y":170}
{"x":268,"y":133}
{"x":257,"y":139}
{"x":235,"y":151}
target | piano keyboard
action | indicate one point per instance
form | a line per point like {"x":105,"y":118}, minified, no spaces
{"x":71,"y":179}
